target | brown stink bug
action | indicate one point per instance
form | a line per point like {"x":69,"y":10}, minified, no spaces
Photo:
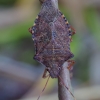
{"x":51,"y":34}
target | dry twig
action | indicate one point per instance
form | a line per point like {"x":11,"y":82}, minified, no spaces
{"x":63,"y":93}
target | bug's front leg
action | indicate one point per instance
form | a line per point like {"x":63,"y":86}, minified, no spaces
{"x":70,"y":64}
{"x":45,"y":73}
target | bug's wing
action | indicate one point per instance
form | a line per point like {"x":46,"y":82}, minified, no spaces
{"x":68,"y":26}
{"x":63,"y":36}
{"x":42,"y":35}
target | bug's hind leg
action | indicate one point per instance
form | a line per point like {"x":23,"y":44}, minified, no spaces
{"x":70,"y":64}
{"x":45,"y":73}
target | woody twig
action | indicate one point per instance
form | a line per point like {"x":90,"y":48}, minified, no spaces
{"x":63,"y":93}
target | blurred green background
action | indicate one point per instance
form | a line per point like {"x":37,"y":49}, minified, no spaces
{"x":21,"y":75}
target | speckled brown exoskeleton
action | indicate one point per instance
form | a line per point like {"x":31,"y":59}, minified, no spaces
{"x":52,"y":34}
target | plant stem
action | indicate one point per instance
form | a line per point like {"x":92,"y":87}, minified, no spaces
{"x":63,"y":92}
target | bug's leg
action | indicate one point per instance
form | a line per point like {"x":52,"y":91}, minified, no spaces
{"x":45,"y":73}
{"x":70,"y":64}
{"x":30,"y":30}
{"x":73,"y":30}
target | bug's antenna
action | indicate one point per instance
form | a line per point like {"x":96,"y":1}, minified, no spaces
{"x":67,"y":88}
{"x":44,"y":88}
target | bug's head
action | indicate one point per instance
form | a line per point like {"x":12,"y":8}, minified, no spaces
{"x":49,"y":3}
{"x":54,"y":71}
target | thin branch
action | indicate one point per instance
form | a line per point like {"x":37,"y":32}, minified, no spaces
{"x":63,"y":93}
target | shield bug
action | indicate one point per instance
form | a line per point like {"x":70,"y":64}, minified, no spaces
{"x":51,"y":34}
